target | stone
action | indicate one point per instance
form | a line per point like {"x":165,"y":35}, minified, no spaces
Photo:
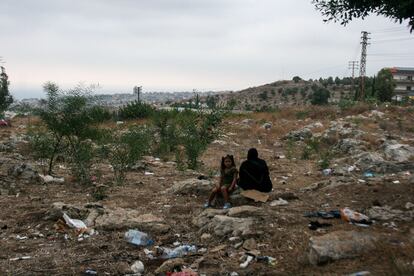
{"x":369,"y":161}
{"x":205,"y":237}
{"x":350,"y":145}
{"x":169,"y":266}
{"x":120,"y":218}
{"x":191,"y":186}
{"x":387,"y":213}
{"x":409,"y":205}
{"x":247,"y":122}
{"x":250,"y":244}
{"x":224,"y":225}
{"x":242,"y":211}
{"x":24,"y":171}
{"x":279,"y":202}
{"x":339,"y":245}
{"x":58,"y":208}
{"x":138,"y":267}
{"x":51,"y":179}
{"x":398,"y":152}
{"x":299,"y":135}
{"x":205,"y":217}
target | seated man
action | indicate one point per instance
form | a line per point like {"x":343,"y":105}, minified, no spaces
{"x":254,"y":173}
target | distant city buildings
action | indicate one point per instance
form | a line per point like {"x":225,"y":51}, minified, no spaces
{"x":404,"y":80}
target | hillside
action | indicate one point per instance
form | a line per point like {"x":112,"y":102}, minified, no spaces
{"x":369,"y":152}
{"x":281,"y":93}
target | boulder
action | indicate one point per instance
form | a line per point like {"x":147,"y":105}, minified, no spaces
{"x":339,"y":245}
{"x":350,"y":145}
{"x":398,"y":152}
{"x":299,"y":135}
{"x":243,"y":211}
{"x":205,"y":217}
{"x":369,"y":161}
{"x":120,"y":218}
{"x":224,"y":225}
{"x":191,"y":186}
{"x":24,"y":171}
{"x":169,"y":266}
{"x":58,"y":208}
{"x":267,"y":126}
{"x":387,"y":213}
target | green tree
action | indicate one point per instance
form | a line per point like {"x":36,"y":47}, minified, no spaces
{"x":5,"y":98}
{"x":320,"y":95}
{"x":344,"y":11}
{"x":296,"y":79}
{"x":384,"y":85}
{"x":337,"y":81}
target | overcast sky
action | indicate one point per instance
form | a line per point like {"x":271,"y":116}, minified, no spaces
{"x":177,"y":45}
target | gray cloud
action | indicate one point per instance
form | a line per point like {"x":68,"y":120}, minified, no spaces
{"x":182,"y":44}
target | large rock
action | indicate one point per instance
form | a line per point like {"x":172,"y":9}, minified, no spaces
{"x":339,"y":245}
{"x":205,"y":217}
{"x":398,"y":152}
{"x":24,"y":171}
{"x":369,"y":161}
{"x":191,"y":186}
{"x":299,"y":135}
{"x":350,"y":145}
{"x":224,"y":225}
{"x":169,"y":266}
{"x":58,"y":208}
{"x":244,"y":211}
{"x":120,"y":218}
{"x":387,"y":213}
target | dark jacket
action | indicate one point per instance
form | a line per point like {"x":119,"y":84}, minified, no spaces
{"x":254,"y":175}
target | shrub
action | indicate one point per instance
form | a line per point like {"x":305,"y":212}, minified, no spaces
{"x":135,"y":110}
{"x":125,"y":149}
{"x":263,"y":96}
{"x":320,"y":95}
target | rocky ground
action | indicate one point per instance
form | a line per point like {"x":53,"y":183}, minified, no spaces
{"x":371,"y":154}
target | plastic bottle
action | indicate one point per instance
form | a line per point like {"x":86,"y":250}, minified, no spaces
{"x":138,"y":238}
{"x":180,"y":251}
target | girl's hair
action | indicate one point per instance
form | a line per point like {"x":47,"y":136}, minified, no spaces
{"x":222,"y":167}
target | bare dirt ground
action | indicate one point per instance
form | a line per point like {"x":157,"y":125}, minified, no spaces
{"x":282,"y":232}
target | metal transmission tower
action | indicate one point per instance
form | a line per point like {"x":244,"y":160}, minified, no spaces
{"x":353,"y":65}
{"x":363,"y":63}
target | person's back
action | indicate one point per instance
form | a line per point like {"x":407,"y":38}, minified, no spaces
{"x":254,"y":173}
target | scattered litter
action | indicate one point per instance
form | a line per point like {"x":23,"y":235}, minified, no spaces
{"x":280,"y":157}
{"x":90,"y":272}
{"x":267,"y":259}
{"x":202,"y":250}
{"x":255,"y":195}
{"x":390,"y":225}
{"x":138,"y":238}
{"x":324,"y":214}
{"x":119,"y":122}
{"x":180,"y":251}
{"x":75,"y":223}
{"x":351,"y":169}
{"x":247,"y":262}
{"x":361,"y":273}
{"x":314,"y":225}
{"x":20,"y":258}
{"x":21,"y":238}
{"x":369,"y":174}
{"x":148,"y":173}
{"x":234,"y":274}
{"x":279,"y":202}
{"x":327,"y":172}
{"x":354,"y":217}
{"x":138,"y":267}
{"x":396,"y":182}
{"x":218,"y":248}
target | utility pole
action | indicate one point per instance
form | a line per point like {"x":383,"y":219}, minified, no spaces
{"x":353,"y":65}
{"x":363,"y":63}
{"x":137,"y":90}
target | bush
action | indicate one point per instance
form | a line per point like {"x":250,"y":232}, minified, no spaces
{"x":125,"y":149}
{"x":320,"y":95}
{"x":166,"y":126}
{"x":71,"y":124}
{"x":135,"y":110}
